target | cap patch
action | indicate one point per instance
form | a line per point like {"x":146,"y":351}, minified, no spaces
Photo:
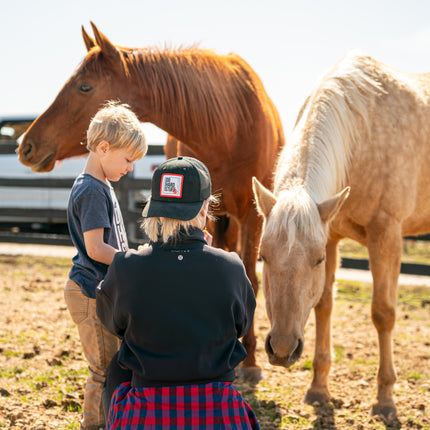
{"x":171,"y":185}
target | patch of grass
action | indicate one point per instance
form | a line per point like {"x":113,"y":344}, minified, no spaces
{"x":416,"y":376}
{"x":413,"y":251}
{"x":413,"y":297}
{"x":18,"y":266}
{"x":353,"y":291}
{"x":10,"y":372}
{"x":351,"y":249}
{"x":307,"y":364}
{"x":72,"y":425}
{"x":11,"y":353}
{"x":339,"y":352}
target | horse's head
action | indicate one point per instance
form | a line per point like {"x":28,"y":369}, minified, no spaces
{"x":58,"y":132}
{"x":293,"y":252}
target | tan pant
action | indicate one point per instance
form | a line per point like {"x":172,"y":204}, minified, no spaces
{"x":99,"y":346}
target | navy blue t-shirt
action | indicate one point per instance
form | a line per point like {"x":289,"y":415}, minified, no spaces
{"x":92,"y":205}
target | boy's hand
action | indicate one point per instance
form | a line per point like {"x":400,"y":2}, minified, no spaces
{"x":208,"y":237}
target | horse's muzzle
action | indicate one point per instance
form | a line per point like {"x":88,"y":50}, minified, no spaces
{"x":27,"y":156}
{"x":285,"y":361}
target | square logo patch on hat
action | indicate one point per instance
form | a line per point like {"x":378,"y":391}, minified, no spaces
{"x":171,"y":185}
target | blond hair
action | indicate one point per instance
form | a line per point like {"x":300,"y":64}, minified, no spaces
{"x":118,"y":125}
{"x":168,"y":228}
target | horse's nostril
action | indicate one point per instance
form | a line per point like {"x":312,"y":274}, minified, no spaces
{"x":297,"y":352}
{"x":25,"y":150}
{"x":268,"y":347}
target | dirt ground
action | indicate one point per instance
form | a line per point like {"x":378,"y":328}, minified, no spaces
{"x":42,"y":370}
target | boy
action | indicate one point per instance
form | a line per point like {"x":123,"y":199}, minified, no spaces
{"x":115,"y":141}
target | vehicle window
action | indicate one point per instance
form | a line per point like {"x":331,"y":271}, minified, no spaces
{"x":12,"y":129}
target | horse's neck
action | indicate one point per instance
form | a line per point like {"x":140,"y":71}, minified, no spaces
{"x":185,"y":101}
{"x":311,"y":162}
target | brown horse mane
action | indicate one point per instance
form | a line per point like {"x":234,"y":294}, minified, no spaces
{"x":186,"y":81}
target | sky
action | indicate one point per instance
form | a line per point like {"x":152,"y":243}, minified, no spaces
{"x":289,"y":43}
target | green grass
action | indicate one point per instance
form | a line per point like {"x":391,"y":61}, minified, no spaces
{"x":339,"y":352}
{"x":416,"y":376}
{"x":354,"y":291}
{"x":414,"y":251}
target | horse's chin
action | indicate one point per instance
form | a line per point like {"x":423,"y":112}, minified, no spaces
{"x":46,"y":165}
{"x":280,"y":361}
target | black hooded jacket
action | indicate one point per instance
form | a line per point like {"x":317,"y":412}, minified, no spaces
{"x":180,"y":308}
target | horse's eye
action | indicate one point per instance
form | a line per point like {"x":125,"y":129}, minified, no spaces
{"x":320,"y":261}
{"x":262,"y":257}
{"x":83,"y":87}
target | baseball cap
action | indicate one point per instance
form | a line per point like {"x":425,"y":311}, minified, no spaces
{"x":179,"y":188}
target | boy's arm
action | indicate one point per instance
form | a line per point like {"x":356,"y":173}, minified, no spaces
{"x":96,"y":248}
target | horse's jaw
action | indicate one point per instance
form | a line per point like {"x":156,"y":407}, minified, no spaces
{"x":46,"y":165}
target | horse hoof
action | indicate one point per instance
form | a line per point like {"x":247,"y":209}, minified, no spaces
{"x":250,"y":374}
{"x":388,"y":413}
{"x":314,"y":398}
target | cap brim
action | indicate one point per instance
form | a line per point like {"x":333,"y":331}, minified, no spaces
{"x":175,"y":210}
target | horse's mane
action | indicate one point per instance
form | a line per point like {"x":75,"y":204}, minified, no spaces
{"x":332,"y":121}
{"x":185,"y":82}
{"x":334,"y":118}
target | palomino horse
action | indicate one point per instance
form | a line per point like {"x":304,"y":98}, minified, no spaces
{"x":364,"y":131}
{"x":215,"y":105}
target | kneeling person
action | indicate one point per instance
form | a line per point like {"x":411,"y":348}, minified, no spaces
{"x":180,"y":307}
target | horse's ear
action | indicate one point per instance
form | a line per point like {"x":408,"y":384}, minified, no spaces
{"x":103,"y":42}
{"x":89,"y":41}
{"x":329,"y":208}
{"x":264,"y":198}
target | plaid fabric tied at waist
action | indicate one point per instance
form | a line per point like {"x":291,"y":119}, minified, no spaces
{"x":217,"y":405}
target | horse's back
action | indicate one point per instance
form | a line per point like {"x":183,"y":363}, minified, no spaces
{"x":388,"y":171}
{"x":366,"y":125}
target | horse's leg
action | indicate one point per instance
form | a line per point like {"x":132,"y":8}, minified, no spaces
{"x":171,"y":147}
{"x":318,"y":391}
{"x":249,"y":233}
{"x":225,"y":232}
{"x":385,"y":247}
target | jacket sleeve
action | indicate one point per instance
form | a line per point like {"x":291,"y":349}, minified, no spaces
{"x":107,"y":300}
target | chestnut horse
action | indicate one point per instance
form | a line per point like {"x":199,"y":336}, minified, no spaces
{"x":364,"y":131}
{"x":214,"y":105}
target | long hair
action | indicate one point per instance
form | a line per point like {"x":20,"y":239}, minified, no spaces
{"x":165,"y":229}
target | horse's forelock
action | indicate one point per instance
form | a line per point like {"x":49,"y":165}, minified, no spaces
{"x":295,"y":213}
{"x":96,"y":62}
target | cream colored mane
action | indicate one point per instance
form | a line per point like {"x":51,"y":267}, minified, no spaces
{"x":314,"y":165}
